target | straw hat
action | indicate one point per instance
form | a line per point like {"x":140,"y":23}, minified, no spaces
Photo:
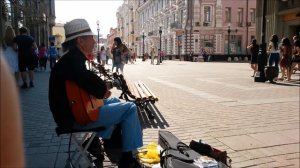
{"x":76,"y":28}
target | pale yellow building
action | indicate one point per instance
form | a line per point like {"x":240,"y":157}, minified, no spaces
{"x":58,"y":32}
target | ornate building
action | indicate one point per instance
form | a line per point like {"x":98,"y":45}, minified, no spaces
{"x":110,"y":37}
{"x":37,"y":15}
{"x":188,"y":25}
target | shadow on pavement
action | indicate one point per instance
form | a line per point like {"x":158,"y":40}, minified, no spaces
{"x":158,"y":120}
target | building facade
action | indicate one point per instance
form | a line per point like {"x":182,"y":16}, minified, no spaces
{"x":110,"y":37}
{"x":187,"y":26}
{"x":282,"y":18}
{"x":37,"y":15}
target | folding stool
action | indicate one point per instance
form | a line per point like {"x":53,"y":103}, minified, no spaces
{"x":78,"y":137}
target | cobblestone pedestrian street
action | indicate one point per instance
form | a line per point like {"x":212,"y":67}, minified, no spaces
{"x":219,"y":103}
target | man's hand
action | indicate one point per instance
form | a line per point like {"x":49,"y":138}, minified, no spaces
{"x":107,"y":94}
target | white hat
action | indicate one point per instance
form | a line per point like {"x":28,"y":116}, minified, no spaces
{"x":76,"y":28}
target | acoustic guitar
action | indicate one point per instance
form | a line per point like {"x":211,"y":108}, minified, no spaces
{"x":85,"y":107}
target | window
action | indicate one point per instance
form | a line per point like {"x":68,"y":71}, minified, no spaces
{"x":7,"y":10}
{"x":174,"y":17}
{"x":181,"y":16}
{"x":252,"y":15}
{"x":228,"y":14}
{"x":240,"y":15}
{"x":207,"y":14}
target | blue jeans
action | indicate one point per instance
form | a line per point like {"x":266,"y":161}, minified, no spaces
{"x":274,"y":58}
{"x":114,"y":112}
{"x":119,"y":66}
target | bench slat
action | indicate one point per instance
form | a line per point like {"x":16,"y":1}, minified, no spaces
{"x":140,"y":91}
{"x":142,"y":86}
{"x":153,"y":95}
{"x":134,"y":91}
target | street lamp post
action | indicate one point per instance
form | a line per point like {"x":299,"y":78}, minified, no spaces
{"x":159,"y":54}
{"x":143,"y":36}
{"x":178,"y":49}
{"x":98,"y":52}
{"x":228,"y":45}
{"x":262,"y":56}
{"x":188,"y":28}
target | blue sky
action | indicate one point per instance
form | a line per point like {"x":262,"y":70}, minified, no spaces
{"x":91,"y":10}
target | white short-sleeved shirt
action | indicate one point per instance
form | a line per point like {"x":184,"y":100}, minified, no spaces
{"x":11,"y":57}
{"x":273,"y":50}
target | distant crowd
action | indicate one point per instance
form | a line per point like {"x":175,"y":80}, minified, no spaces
{"x":284,"y":54}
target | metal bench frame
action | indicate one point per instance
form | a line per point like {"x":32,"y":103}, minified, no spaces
{"x":137,"y":92}
{"x":77,"y":138}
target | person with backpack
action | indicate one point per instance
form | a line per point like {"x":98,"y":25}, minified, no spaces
{"x":52,"y":52}
{"x":120,"y":55}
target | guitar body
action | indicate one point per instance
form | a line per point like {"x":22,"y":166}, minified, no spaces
{"x":85,"y":107}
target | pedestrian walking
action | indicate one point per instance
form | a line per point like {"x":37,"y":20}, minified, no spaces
{"x":103,"y":56}
{"x":296,"y":56}
{"x":26,"y":53}
{"x":254,"y":49}
{"x":10,"y":53}
{"x":42,"y":56}
{"x":52,"y":52}
{"x":120,"y":53}
{"x":273,"y":51}
{"x":286,"y":51}
{"x":133,"y":56}
{"x":152,"y":55}
{"x":108,"y":55}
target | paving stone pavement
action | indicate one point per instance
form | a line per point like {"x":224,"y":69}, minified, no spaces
{"x":256,"y":123}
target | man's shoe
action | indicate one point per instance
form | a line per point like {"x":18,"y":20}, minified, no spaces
{"x":129,"y":163}
{"x":95,"y":148}
{"x":24,"y":86}
{"x":31,"y":84}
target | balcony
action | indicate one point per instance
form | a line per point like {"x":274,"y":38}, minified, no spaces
{"x":176,"y":25}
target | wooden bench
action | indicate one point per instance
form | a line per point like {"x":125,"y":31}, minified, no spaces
{"x":137,"y":91}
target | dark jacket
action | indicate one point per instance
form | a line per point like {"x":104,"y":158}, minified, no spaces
{"x":71,"y":67}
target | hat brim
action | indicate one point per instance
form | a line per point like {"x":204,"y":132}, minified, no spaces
{"x":79,"y":35}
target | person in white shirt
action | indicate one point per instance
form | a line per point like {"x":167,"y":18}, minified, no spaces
{"x":273,"y":51}
{"x":10,"y":54}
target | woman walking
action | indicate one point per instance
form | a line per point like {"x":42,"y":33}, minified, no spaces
{"x":273,"y":50}
{"x":103,"y":56}
{"x":254,"y":48}
{"x":10,"y":53}
{"x":286,"y":59}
